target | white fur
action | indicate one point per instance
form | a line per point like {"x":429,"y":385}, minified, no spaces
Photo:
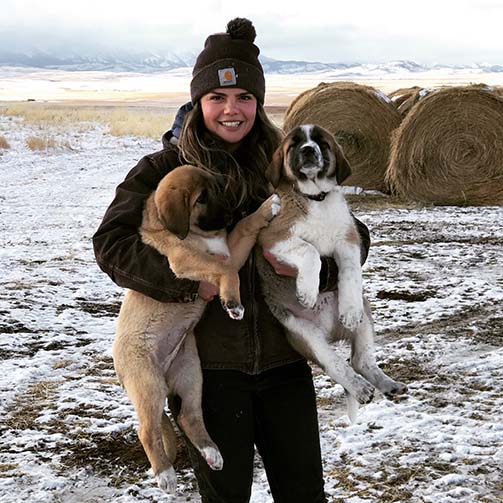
{"x":217,"y":245}
{"x":315,"y":236}
{"x":314,"y":187}
{"x":275,"y":205}
{"x":166,"y":480}
{"x":309,"y":171}
{"x":213,"y":458}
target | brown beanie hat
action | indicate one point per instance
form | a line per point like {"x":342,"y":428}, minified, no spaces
{"x":229,"y":60}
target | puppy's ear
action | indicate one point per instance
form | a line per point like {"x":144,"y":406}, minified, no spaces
{"x":273,"y":171}
{"x":173,"y":209}
{"x":342,"y":167}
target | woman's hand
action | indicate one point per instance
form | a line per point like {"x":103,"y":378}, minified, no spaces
{"x":280,"y":268}
{"x":207,"y":291}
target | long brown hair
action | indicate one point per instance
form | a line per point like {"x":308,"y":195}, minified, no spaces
{"x":241,"y":173}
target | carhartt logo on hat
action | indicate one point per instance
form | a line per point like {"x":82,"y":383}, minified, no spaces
{"x":227,"y":76}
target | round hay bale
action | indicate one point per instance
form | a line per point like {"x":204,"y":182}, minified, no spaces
{"x":498,"y":90}
{"x":449,"y":149}
{"x":405,"y":98}
{"x":361,"y":119}
{"x":404,"y":93}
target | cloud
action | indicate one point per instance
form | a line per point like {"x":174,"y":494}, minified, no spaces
{"x":461,"y":31}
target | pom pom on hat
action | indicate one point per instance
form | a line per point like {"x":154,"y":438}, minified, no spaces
{"x":242,"y":28}
{"x":229,"y":60}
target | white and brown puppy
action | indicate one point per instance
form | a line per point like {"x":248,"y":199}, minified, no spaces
{"x":154,"y":351}
{"x":315,"y":221}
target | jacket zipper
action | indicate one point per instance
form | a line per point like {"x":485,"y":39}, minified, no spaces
{"x":254,"y":318}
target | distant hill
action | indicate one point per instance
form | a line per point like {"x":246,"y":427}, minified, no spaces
{"x":146,"y":62}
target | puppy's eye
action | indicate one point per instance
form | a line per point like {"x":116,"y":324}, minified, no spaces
{"x":203,"y":198}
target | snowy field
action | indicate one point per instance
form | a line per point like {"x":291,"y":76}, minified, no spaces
{"x":67,"y":431}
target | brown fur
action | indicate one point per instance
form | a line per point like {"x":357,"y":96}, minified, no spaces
{"x":154,"y":351}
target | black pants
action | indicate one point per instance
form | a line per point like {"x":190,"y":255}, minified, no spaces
{"x":274,"y":410}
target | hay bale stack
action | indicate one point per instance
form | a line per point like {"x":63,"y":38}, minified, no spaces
{"x":405,"y":98}
{"x":449,"y":149}
{"x":361,"y":119}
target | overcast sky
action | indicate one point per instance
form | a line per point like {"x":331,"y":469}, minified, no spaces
{"x":332,"y":31}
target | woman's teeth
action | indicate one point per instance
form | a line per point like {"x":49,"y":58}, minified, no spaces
{"x":231,"y":124}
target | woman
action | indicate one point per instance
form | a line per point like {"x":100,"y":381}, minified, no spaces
{"x":257,"y":390}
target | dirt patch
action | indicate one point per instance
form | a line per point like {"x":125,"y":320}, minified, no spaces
{"x":11,"y":326}
{"x":119,"y":457}
{"x":480,"y":324}
{"x":99,"y":309}
{"x":22,"y":414}
{"x":407,"y":371}
{"x":406,"y":296}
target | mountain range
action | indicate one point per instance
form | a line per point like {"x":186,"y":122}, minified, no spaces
{"x":146,"y":62}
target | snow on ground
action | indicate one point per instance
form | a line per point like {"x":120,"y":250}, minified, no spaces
{"x":67,"y":431}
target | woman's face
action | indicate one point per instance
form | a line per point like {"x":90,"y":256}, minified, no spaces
{"x":229,"y":113}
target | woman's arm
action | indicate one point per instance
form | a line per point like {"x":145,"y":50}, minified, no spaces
{"x":329,"y":270}
{"x":118,"y":247}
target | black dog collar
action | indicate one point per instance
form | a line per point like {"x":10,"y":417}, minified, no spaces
{"x":314,"y":197}
{"x":317,"y":197}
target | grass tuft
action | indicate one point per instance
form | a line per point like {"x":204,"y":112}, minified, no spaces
{"x":37,"y":143}
{"x":4,"y":144}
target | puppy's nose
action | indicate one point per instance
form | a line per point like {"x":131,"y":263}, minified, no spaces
{"x":307,"y":150}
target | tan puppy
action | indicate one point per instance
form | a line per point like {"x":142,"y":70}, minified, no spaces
{"x":315,"y":221}
{"x":155,"y":351}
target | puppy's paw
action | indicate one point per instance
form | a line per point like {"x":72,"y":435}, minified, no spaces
{"x":352,"y":407}
{"x":271,"y":207}
{"x":361,"y":390}
{"x":395,"y":389}
{"x":307,"y":298}
{"x":234,"y":309}
{"x":351,"y":317}
{"x":166,"y":480}
{"x":213,"y":457}
{"x":275,"y":204}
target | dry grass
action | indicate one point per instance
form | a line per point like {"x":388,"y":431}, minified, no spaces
{"x":4,"y":144}
{"x":37,"y":143}
{"x":24,"y":411}
{"x":148,"y":122}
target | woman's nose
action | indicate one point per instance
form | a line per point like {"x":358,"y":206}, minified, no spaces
{"x":231,"y":106}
